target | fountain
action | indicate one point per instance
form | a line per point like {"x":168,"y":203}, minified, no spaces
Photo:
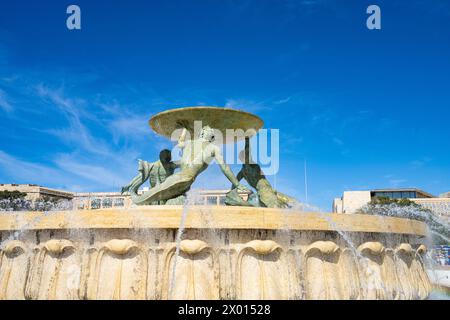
{"x":165,"y":247}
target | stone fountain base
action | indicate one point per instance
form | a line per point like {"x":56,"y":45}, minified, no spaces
{"x":225,"y":253}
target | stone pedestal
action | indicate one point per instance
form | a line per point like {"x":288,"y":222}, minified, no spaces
{"x":224,"y":253}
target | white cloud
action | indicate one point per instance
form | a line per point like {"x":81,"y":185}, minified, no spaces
{"x":311,"y":2}
{"x":281,"y":101}
{"x":21,"y":171}
{"x":101,"y":175}
{"x":4,"y":103}
{"x":415,"y":164}
{"x":130,"y":126}
{"x":93,"y":163}
{"x":70,"y":173}
{"x":101,"y":141}
{"x":76,"y":133}
{"x":338,"y":141}
{"x":246,"y":105}
{"x":395,"y":183}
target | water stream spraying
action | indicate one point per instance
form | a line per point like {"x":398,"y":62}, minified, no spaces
{"x":192,"y":197}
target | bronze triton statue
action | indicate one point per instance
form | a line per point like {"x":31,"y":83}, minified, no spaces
{"x":169,"y":187}
{"x":197,"y":155}
{"x":252,"y":173}
{"x":197,"y":152}
{"x":156,"y":172}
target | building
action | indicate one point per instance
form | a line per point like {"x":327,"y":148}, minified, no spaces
{"x":215,"y":197}
{"x":99,"y":200}
{"x":439,"y":206}
{"x":441,"y":254}
{"x":35,"y":192}
{"x":351,"y":201}
{"x":445,"y":195}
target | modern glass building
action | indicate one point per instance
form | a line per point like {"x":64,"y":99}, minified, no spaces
{"x":351,"y":201}
{"x":411,"y":193}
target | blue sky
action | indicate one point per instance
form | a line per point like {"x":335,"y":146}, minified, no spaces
{"x":367,"y":109}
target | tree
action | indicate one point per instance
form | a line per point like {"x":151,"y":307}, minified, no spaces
{"x":15,"y":201}
{"x":11,"y":195}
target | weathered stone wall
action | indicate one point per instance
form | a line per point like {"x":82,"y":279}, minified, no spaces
{"x":212,"y":264}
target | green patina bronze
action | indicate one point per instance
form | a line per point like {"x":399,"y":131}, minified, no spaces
{"x":197,"y":155}
{"x":155,"y":172}
{"x":252,"y":173}
{"x":199,"y":147}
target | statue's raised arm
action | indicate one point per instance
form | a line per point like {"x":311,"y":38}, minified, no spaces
{"x":182,"y":138}
{"x":198,"y":147}
{"x":144,"y":169}
{"x":227,"y":171}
